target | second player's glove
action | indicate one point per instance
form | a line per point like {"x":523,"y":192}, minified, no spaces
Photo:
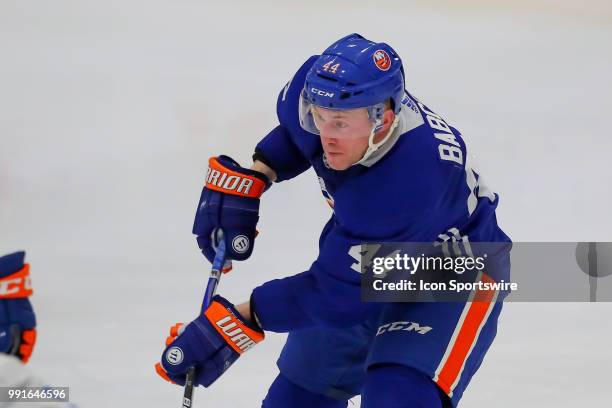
{"x":211,"y":343}
{"x":229,"y":203}
{"x":17,"y":320}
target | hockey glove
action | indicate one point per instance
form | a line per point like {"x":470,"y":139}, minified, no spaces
{"x":211,"y":343}
{"x":17,"y":320}
{"x":229,"y":202}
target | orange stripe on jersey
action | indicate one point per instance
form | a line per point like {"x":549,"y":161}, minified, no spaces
{"x":466,"y":337}
{"x":236,"y":334}
{"x":16,"y":285}
{"x":220,"y":178}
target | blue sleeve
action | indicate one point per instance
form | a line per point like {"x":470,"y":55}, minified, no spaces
{"x":328,"y":294}
{"x":286,"y":148}
{"x":278,"y":151}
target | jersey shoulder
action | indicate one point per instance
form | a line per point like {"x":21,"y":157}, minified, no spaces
{"x":430,"y":157}
{"x":287,"y":110}
{"x":427,"y":145}
{"x":446,"y":139}
{"x":289,"y":96}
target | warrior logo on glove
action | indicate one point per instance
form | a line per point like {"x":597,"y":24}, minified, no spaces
{"x":233,"y":181}
{"x":241,"y":244}
{"x":174,"y":356}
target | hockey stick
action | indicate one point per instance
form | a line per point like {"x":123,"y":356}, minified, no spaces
{"x":211,"y":288}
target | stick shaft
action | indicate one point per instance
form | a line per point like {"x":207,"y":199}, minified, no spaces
{"x":211,"y":289}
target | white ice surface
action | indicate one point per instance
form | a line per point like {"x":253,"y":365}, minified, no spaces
{"x":109,"y":110}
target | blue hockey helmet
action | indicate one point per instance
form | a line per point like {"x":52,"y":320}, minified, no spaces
{"x":353,"y":73}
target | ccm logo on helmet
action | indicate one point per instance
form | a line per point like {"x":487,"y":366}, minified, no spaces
{"x":406,"y":326}
{"x":321,"y":93}
{"x":219,"y":179}
{"x":235,"y":333}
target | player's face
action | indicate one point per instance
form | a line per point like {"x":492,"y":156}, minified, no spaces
{"x":344,"y":135}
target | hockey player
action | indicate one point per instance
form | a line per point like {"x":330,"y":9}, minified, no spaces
{"x":17,"y":320}
{"x":18,"y":332}
{"x":392,"y":170}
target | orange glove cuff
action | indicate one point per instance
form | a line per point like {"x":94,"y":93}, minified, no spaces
{"x":16,"y":285}
{"x":220,"y":178}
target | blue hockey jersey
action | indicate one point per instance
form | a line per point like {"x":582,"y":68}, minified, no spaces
{"x":420,"y":186}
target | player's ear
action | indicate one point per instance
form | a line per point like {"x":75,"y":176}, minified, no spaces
{"x":387,"y":119}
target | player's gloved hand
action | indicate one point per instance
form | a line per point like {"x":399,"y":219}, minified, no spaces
{"x":229,"y":202}
{"x":211,"y":343}
{"x":17,"y":320}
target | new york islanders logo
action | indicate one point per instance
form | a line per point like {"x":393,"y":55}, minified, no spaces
{"x":382,"y":60}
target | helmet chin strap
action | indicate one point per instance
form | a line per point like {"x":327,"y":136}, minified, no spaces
{"x":372,"y":147}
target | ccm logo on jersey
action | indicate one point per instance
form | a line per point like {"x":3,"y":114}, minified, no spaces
{"x":405,"y":326}
{"x":220,"y":178}
{"x":16,"y":285}
{"x":322,"y":93}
